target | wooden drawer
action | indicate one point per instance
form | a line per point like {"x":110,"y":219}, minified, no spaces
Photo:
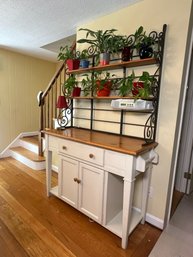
{"x":84,"y":152}
{"x":117,"y":163}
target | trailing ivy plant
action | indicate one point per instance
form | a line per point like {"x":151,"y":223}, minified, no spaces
{"x":126,"y":85}
{"x":147,"y":80}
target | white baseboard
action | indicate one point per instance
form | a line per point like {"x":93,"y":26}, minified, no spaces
{"x":154,"y":221}
{"x":15,"y":142}
{"x":55,"y":168}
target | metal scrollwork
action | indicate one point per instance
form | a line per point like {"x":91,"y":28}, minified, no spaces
{"x":155,"y":88}
{"x":130,"y":40}
{"x":64,"y":116}
{"x":92,"y":50}
{"x":149,"y":128}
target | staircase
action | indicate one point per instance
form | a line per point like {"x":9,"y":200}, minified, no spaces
{"x":29,"y":149}
{"x":28,"y":146}
{"x":25,"y":149}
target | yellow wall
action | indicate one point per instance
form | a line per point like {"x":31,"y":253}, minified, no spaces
{"x":21,"y":78}
{"x":152,"y":14}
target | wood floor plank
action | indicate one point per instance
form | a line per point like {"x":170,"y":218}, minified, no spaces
{"x":9,"y":246}
{"x":23,"y":194}
{"x":28,"y":223}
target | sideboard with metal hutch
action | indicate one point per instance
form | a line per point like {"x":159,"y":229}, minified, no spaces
{"x":98,"y":170}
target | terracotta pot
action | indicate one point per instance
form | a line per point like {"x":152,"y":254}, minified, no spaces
{"x":136,"y":87}
{"x":76,"y":91}
{"x":105,"y":89}
{"x":73,"y":64}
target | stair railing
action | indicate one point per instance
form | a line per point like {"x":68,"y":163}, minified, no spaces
{"x":47,"y":103}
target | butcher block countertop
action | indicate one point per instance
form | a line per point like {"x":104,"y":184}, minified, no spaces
{"x":122,"y":144}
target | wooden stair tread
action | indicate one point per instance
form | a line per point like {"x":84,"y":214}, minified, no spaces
{"x":28,"y":154}
{"x":30,"y":139}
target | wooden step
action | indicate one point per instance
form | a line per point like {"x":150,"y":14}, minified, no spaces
{"x":30,"y":139}
{"x":28,"y":154}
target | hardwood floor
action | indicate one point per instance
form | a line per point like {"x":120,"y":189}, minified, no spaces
{"x":33,"y":225}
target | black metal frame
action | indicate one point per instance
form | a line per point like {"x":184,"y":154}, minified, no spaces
{"x":150,"y":126}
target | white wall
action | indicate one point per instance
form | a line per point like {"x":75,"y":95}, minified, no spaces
{"x":152,"y":14}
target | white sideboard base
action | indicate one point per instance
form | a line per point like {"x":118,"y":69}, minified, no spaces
{"x":100,"y":182}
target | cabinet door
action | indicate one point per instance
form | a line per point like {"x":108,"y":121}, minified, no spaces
{"x":68,"y":188}
{"x":91,"y":191}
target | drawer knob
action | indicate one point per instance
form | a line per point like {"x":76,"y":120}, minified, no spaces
{"x":64,"y":147}
{"x":77,"y":180}
{"x":91,"y":155}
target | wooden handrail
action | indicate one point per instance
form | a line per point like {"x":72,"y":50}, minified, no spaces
{"x":53,"y":79}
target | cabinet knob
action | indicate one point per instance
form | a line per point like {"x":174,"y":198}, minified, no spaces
{"x":77,"y":180}
{"x":64,"y":147}
{"x":91,"y":155}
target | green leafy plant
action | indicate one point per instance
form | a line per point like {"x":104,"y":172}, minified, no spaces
{"x":126,"y":85}
{"x":104,"y":41}
{"x":147,"y":80}
{"x":86,"y":84}
{"x":84,"y":54}
{"x":69,"y":85}
{"x":141,"y":39}
{"x":103,"y":77}
{"x":66,"y":53}
{"x":97,"y":81}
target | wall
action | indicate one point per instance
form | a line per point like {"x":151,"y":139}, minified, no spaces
{"x":152,"y":14}
{"x":21,"y":78}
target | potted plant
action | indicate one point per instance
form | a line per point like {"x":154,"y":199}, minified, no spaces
{"x":126,"y":53}
{"x":105,"y":42}
{"x":68,"y":55}
{"x":70,"y":87}
{"x":143,"y":43}
{"x":126,"y":85}
{"x":84,"y":62}
{"x":143,"y":87}
{"x":103,"y":83}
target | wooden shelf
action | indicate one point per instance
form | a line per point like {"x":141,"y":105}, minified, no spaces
{"x":117,"y":65}
{"x":110,"y":97}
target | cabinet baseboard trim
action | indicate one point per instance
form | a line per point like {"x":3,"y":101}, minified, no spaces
{"x":154,"y":221}
{"x":55,"y":168}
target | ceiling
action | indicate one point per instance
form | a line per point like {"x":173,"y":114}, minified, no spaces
{"x":39,"y":27}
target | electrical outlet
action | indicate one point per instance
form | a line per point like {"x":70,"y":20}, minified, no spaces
{"x":150,"y":193}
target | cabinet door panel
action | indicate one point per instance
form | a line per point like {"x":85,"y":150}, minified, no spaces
{"x":68,"y":188}
{"x":91,"y":191}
